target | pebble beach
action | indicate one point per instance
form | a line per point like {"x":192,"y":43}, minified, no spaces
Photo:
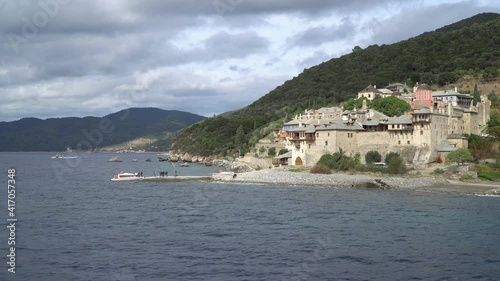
{"x":345,"y":180}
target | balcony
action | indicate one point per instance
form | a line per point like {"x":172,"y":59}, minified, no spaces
{"x":302,"y":138}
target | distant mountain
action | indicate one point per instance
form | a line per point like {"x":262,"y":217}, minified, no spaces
{"x":58,"y":134}
{"x":466,"y":48}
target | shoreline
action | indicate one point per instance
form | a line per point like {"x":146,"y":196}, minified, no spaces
{"x":344,"y":180}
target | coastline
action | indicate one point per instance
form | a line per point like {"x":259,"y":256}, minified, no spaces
{"x":344,"y":180}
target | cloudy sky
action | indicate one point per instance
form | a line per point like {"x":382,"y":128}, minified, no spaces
{"x":78,"y":58}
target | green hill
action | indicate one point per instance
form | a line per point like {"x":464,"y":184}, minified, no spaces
{"x":57,"y":134}
{"x":468,"y":47}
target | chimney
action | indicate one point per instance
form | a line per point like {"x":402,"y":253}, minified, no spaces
{"x":456,"y":89}
{"x":375,"y":86}
{"x":364,"y":108}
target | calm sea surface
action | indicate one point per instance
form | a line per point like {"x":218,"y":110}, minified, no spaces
{"x":75,"y":224}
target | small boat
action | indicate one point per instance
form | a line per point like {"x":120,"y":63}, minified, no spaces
{"x":161,"y":159}
{"x":134,"y":160}
{"x":61,"y":156}
{"x":127,"y":177}
{"x":185,"y":164}
{"x":148,"y":160}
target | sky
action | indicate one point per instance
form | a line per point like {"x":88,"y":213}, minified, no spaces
{"x":62,"y":58}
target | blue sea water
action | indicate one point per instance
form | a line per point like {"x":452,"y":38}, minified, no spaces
{"x":76,"y":224}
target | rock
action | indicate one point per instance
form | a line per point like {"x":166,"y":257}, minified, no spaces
{"x":115,"y":159}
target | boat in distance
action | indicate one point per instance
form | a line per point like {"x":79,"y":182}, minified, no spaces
{"x":128,"y":177}
{"x":61,"y":156}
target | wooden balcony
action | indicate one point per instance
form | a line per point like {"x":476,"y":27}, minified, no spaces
{"x":302,"y":138}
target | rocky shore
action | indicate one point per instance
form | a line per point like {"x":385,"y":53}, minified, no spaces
{"x":344,"y":180}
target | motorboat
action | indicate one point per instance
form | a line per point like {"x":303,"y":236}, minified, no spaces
{"x":61,"y":156}
{"x":185,"y":164}
{"x":122,"y":176}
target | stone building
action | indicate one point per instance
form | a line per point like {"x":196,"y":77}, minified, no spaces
{"x":434,"y":126}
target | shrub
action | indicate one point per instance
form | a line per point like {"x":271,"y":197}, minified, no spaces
{"x":320,"y":169}
{"x":271,"y":151}
{"x":283,"y":151}
{"x":489,"y":176}
{"x":438,"y":171}
{"x":337,"y":161}
{"x":357,"y":158}
{"x":396,"y":166}
{"x":327,"y":160}
{"x":460,"y":156}
{"x":466,"y":177}
{"x":372,"y":157}
{"x":262,"y":149}
{"x":390,"y":156}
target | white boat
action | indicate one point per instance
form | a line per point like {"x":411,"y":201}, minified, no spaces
{"x":127,"y":177}
{"x":61,"y":156}
{"x":185,"y":164}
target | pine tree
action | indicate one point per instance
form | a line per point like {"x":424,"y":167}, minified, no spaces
{"x":239,"y":138}
{"x":476,"y":95}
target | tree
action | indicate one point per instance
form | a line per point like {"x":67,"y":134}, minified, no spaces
{"x":446,"y":78}
{"x":239,"y":138}
{"x":477,"y":96}
{"x":494,"y":131}
{"x":490,"y":73}
{"x":372,"y":157}
{"x":392,"y":106}
{"x":460,"y":156}
{"x":481,"y":148}
{"x":356,"y":103}
{"x":271,"y":151}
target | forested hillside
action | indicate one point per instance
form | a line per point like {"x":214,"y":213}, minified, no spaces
{"x":58,"y":134}
{"x":468,"y":47}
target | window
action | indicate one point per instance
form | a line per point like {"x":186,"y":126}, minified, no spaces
{"x":317,"y":135}
{"x":328,"y":134}
{"x":399,"y":142}
{"x":408,"y":142}
{"x":326,"y":143}
{"x":421,"y":133}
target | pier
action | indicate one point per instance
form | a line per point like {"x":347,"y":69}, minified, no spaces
{"x":179,"y":178}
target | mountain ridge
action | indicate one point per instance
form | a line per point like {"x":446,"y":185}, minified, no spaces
{"x":58,"y":134}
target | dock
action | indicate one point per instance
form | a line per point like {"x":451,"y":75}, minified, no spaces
{"x":179,"y":178}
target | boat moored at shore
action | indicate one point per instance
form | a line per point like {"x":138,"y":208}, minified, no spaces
{"x":122,"y":176}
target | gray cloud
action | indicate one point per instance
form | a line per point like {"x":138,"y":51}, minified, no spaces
{"x":95,"y":57}
{"x":223,"y":44}
{"x":321,"y":34}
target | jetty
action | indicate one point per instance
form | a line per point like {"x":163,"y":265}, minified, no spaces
{"x":178,"y":178}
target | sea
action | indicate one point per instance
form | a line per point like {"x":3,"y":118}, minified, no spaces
{"x":71,"y":222}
